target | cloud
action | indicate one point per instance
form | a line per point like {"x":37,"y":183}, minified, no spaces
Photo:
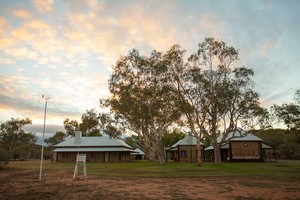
{"x":7,"y":61}
{"x":21,"y":53}
{"x":68,"y":47}
{"x":24,"y":14}
{"x":18,"y":99}
{"x":267,"y":46}
{"x":3,"y":23}
{"x":44,"y":5}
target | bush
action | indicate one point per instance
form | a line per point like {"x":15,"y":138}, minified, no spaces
{"x":4,"y":158}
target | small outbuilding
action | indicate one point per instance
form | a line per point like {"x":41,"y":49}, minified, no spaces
{"x":96,"y":149}
{"x":242,"y":146}
{"x":185,"y":150}
{"x":138,"y":154}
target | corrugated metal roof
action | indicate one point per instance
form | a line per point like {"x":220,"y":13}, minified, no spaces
{"x":187,"y":140}
{"x":225,"y":146}
{"x":233,"y":134}
{"x":265,"y":146}
{"x":247,"y":137}
{"x":138,"y":151}
{"x":90,"y":149}
{"x":94,"y":142}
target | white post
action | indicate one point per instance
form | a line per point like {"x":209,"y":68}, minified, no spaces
{"x":42,"y":154}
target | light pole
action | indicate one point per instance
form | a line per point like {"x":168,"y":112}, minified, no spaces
{"x":42,"y":154}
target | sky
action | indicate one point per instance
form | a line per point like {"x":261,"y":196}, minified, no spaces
{"x":66,"y":49}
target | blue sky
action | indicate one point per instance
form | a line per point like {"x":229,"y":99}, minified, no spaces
{"x":66,"y":49}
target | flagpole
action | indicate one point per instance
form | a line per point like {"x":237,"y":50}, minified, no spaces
{"x":42,"y":154}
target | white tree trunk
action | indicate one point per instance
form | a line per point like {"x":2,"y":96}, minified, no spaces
{"x":199,"y":154}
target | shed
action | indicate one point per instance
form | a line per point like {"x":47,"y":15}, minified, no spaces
{"x":138,"y":154}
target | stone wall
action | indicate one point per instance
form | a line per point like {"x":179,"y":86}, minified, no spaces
{"x":188,"y":153}
{"x":93,"y":156}
{"x":246,"y":150}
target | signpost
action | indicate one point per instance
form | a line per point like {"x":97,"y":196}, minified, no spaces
{"x":80,"y":158}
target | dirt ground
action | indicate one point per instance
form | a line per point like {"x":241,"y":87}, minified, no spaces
{"x":59,"y":185}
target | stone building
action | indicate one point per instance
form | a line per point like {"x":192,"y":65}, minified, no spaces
{"x":242,"y":146}
{"x":96,"y":149}
{"x":185,"y":150}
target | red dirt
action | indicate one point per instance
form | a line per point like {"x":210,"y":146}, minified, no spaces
{"x":59,"y":185}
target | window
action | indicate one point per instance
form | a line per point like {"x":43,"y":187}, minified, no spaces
{"x":93,"y":154}
{"x":65,"y":154}
{"x":183,"y":154}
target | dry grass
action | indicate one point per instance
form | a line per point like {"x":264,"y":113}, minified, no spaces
{"x":20,"y":181}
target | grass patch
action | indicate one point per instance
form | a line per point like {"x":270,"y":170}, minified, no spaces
{"x":283,"y":169}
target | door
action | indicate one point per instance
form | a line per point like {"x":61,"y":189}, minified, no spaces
{"x":106,"y":157}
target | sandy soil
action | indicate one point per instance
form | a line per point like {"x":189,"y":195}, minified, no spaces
{"x":59,"y":185}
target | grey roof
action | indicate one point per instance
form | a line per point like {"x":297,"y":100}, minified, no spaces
{"x":187,"y":140}
{"x":138,"y":152}
{"x":247,"y":137}
{"x":94,"y":142}
{"x":233,"y":134}
{"x":91,"y":149}
{"x":265,"y":146}
{"x":225,"y":146}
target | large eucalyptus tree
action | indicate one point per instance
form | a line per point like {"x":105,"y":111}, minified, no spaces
{"x":215,"y":95}
{"x":143,"y":95}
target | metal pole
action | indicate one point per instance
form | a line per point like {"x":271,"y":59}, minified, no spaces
{"x":42,"y":154}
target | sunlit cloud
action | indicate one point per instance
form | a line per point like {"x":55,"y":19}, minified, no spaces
{"x":67,"y":48}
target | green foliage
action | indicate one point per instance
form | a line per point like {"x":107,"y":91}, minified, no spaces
{"x":215,"y":96}
{"x":286,"y":142}
{"x":170,"y":138}
{"x":112,"y":125}
{"x":4,"y":157}
{"x":71,"y":126}
{"x":58,"y":137}
{"x":133,"y":141}
{"x":89,"y":125}
{"x":289,"y":114}
{"x":297,"y":97}
{"x":151,"y":93}
{"x":14,"y":140}
{"x":142,"y":94}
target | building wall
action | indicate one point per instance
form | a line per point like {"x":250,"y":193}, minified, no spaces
{"x":246,"y":150}
{"x":93,"y":156}
{"x":188,"y":153}
{"x":66,"y":156}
